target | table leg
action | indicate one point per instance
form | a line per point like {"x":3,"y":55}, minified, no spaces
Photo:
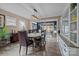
{"x":34,"y":42}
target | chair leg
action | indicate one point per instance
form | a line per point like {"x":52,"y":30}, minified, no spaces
{"x":44,"y":42}
{"x":26,"y":50}
{"x":20,"y":50}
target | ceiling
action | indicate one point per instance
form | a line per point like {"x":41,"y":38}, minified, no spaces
{"x":43,"y":9}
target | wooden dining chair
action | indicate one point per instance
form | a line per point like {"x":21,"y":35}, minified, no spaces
{"x":43,"y":35}
{"x":38,"y":41}
{"x":24,"y":40}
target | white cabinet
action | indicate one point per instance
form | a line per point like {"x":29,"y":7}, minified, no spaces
{"x":64,"y":49}
{"x":70,"y":30}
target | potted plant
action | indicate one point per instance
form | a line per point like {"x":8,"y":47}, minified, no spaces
{"x":4,"y":34}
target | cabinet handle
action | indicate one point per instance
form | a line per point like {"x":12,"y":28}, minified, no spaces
{"x":65,"y":50}
{"x":64,"y":45}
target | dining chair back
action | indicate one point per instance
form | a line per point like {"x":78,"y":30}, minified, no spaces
{"x":43,"y":36}
{"x":24,"y":40}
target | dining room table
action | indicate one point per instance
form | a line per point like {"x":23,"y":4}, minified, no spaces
{"x":33,"y":36}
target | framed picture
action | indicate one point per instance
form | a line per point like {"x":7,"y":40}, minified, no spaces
{"x":2,"y":20}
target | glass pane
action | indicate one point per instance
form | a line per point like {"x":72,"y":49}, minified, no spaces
{"x":73,"y":37}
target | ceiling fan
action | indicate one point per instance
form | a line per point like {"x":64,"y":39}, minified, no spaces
{"x":35,"y":10}
{"x":34,"y":16}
